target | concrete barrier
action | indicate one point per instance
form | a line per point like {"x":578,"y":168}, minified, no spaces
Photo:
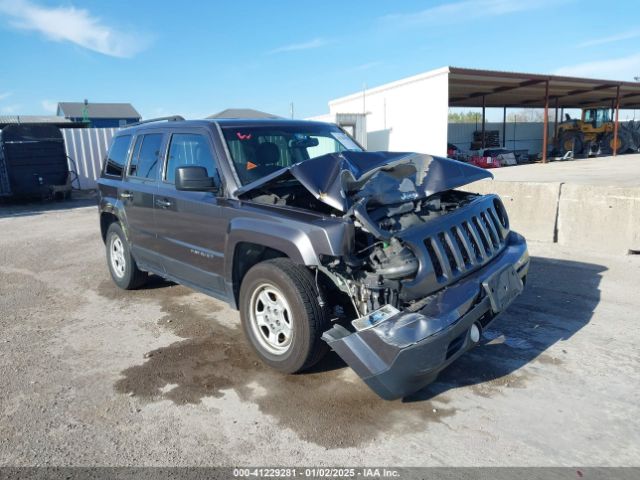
{"x":589,"y":217}
{"x":594,"y":217}
{"x":532,"y":206}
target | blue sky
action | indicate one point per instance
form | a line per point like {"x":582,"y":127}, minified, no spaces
{"x":198,"y":57}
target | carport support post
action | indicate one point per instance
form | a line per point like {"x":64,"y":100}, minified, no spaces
{"x":483,"y":109}
{"x":545,"y":133}
{"x":504,"y":127}
{"x":555,"y":122}
{"x":615,"y":125}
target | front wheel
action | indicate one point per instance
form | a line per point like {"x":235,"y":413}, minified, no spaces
{"x":281,"y":315}
{"x":571,"y":141}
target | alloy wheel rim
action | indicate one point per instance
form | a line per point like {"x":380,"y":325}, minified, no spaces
{"x":271,"y":320}
{"x":118,"y":262}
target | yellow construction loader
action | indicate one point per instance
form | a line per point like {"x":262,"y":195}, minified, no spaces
{"x":594,"y":134}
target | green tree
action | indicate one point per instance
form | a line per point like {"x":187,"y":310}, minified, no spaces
{"x":526,"y":115}
{"x":465,"y":117}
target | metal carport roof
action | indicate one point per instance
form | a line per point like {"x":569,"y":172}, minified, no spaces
{"x":59,"y":122}
{"x":467,"y":87}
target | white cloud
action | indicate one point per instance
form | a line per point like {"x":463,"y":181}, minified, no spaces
{"x":610,"y":39}
{"x":365,"y":66}
{"x":315,"y":43}
{"x":75,"y":25}
{"x":625,"y":68}
{"x":465,"y":10}
{"x":49,"y":106}
{"x":5,"y":95}
{"x":10,"y":109}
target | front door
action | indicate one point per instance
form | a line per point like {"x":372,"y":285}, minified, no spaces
{"x":137,"y":195}
{"x":190,"y":225}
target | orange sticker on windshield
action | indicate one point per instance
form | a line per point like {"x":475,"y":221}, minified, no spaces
{"x":251,"y":165}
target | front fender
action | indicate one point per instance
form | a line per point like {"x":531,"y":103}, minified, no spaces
{"x":293,"y":242}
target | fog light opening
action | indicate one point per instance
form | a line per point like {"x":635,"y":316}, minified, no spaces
{"x":474,"y":333}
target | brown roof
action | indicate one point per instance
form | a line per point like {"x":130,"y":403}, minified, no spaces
{"x":512,"y":89}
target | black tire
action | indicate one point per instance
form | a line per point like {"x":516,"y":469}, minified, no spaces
{"x":129,"y":277}
{"x":571,"y":141}
{"x":307,"y":318}
{"x":633,"y":134}
{"x":606,"y":144}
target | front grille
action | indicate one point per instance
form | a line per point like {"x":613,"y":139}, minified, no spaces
{"x":470,"y":243}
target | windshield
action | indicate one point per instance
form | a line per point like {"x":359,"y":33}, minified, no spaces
{"x":257,"y":151}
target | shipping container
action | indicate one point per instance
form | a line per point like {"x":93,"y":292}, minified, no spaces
{"x":32,"y":160}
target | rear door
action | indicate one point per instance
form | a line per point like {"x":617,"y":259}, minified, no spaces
{"x":190,"y":225}
{"x":138,"y":194}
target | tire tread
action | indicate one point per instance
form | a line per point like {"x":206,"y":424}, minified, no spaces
{"x":305,"y":286}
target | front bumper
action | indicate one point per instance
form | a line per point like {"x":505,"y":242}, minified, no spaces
{"x":406,"y":352}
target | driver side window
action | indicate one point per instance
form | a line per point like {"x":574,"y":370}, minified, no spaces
{"x":188,"y":149}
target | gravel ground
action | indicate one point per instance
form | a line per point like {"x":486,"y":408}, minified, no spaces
{"x":90,"y":375}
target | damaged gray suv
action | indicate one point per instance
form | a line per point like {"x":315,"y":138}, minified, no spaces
{"x":319,"y":244}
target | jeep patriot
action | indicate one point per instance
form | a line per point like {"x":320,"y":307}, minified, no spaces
{"x":380,"y":256}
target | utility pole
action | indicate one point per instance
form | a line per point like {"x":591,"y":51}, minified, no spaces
{"x":637,"y":79}
{"x":85,"y":111}
{"x":291,"y":108}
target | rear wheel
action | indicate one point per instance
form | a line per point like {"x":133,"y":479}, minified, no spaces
{"x":123,"y":268}
{"x":281,"y":315}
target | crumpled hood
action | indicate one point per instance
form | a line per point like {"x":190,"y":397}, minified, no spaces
{"x":341,"y":179}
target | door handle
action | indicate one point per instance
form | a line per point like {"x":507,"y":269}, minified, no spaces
{"x":126,"y":195}
{"x":163,"y":203}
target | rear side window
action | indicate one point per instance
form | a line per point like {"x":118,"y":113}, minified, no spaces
{"x":191,"y":150}
{"x":146,"y":156}
{"x":117,"y":156}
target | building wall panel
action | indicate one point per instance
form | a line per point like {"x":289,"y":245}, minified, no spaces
{"x":87,"y":147}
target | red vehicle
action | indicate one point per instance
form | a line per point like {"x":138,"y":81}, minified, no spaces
{"x":485,"y":162}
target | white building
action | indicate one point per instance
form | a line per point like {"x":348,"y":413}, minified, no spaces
{"x":406,"y":115}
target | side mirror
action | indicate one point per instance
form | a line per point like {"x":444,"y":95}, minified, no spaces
{"x":194,"y":179}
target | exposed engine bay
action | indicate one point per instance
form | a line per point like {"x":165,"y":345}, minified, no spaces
{"x":381,"y":262}
{"x":373,"y":274}
{"x":381,"y":205}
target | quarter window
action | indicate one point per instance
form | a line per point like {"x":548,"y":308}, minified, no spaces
{"x":117,"y":156}
{"x":189,"y":149}
{"x":146,"y":156}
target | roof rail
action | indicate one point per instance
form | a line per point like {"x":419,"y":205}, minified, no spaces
{"x":172,"y":118}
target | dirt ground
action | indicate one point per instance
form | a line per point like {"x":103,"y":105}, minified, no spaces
{"x":91,"y":375}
